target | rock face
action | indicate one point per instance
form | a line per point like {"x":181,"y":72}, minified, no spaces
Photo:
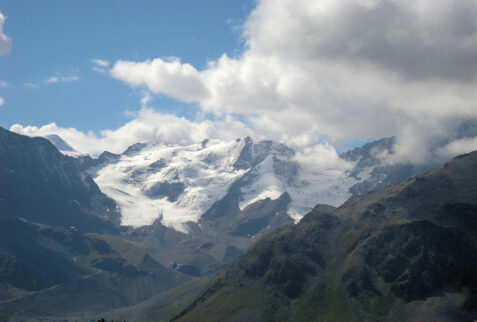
{"x":404,"y":253}
{"x":254,"y":153}
{"x":61,"y":252}
{"x":40,"y":184}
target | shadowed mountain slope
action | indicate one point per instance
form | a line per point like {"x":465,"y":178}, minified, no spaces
{"x":404,"y":253}
{"x":39,"y":183}
{"x":61,"y":252}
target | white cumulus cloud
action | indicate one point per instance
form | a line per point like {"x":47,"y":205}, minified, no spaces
{"x":338,"y":70}
{"x":168,"y":76}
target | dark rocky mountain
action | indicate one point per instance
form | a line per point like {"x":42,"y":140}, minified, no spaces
{"x":403,"y":253}
{"x":39,"y":184}
{"x":61,"y":251}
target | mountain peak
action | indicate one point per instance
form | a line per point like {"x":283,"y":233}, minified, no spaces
{"x":135,"y":148}
{"x":254,"y":153}
{"x":368,"y":152}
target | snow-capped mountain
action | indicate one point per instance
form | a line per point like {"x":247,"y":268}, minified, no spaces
{"x":178,"y":184}
{"x":372,"y":172}
{"x":195,"y":207}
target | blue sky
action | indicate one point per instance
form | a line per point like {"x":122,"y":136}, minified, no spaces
{"x":59,"y":38}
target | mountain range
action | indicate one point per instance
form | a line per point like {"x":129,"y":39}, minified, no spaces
{"x":133,"y":225}
{"x":407,"y":252}
{"x":179,"y":184}
{"x":198,"y":206}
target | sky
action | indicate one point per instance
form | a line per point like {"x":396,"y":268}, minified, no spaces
{"x":49,"y":67}
{"x":319,"y":76}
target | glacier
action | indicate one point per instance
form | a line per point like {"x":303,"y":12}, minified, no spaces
{"x":176,"y":184}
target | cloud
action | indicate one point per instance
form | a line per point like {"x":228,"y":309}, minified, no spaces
{"x":31,"y":85}
{"x":457,"y":147}
{"x":321,"y":156}
{"x":52,"y":79}
{"x":5,"y":42}
{"x":60,"y":78}
{"x":100,"y":62}
{"x":4,"y":84}
{"x":2,"y":101}
{"x":70,"y":78}
{"x":168,"y":76}
{"x":338,"y":70}
{"x":147,"y":125}
{"x":100,"y":65}
{"x":313,"y":72}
